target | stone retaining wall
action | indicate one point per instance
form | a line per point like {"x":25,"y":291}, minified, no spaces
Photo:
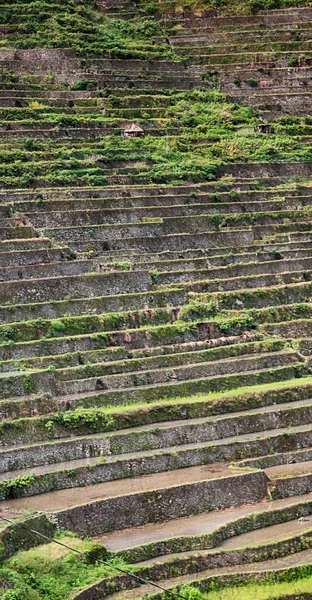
{"x":14,"y":538}
{"x":159,"y":505}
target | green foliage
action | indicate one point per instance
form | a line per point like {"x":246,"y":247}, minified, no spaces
{"x":80,"y":420}
{"x":79,"y":25}
{"x":211,"y":131}
{"x":7,"y":334}
{"x":252,"y":82}
{"x":239,"y":322}
{"x":50,"y":572}
{"x":121,"y":266}
{"x":198,"y":309}
{"x":12,"y":488}
{"x":18,"y":587}
{"x":31,"y":145}
{"x":84,"y":85}
{"x":154,"y":273}
{"x":267,"y":591}
{"x":191,"y":593}
{"x":28,"y":384}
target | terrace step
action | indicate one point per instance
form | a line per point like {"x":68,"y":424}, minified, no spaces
{"x":173,"y":294}
{"x":212,"y":261}
{"x":290,"y":329}
{"x":174,"y":359}
{"x":60,"y":499}
{"x":262,"y":59}
{"x":277,"y":532}
{"x":214,"y":443}
{"x":296,"y":103}
{"x":263,"y":77}
{"x":17,"y":233}
{"x":134,"y":440}
{"x":136,"y":215}
{"x":269,"y":19}
{"x":289,"y":470}
{"x":248,"y":282}
{"x":194,"y":561}
{"x":152,"y":491}
{"x":33,"y":257}
{"x":119,"y":352}
{"x":136,"y":201}
{"x":21,"y":244}
{"x":44,"y":434}
{"x":260,"y":249}
{"x":169,"y":225}
{"x":180,"y":241}
{"x":183,"y":373}
{"x":75,"y":343}
{"x":252,"y":539}
{"x":251,"y":571}
{"x":198,"y":525}
{"x":56,"y":288}
{"x":97,"y":305}
{"x":52,"y":269}
{"x":270,"y":183}
{"x":298,"y":32}
{"x":139,"y":198}
{"x":16,"y":406}
{"x":233,"y":271}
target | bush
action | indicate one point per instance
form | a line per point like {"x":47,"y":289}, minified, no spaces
{"x":85,"y":85}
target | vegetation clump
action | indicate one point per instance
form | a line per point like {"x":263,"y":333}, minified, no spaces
{"x":52,"y":572}
{"x":78,"y":24}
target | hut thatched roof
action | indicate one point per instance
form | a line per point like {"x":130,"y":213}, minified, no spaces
{"x":133,"y":128}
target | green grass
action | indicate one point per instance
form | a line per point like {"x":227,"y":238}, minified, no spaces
{"x":214,"y":396}
{"x":50,"y":572}
{"x":254,"y":592}
{"x":200,"y":131}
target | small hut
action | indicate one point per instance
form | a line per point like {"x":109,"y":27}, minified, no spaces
{"x":133,"y":131}
{"x":264,"y":128}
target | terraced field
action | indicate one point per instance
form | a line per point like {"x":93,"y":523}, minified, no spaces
{"x":155,"y":318}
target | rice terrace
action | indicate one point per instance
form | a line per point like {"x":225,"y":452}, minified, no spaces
{"x":155,"y":300}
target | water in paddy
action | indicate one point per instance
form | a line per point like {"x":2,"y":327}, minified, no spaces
{"x":192,"y":526}
{"x":290,"y":470}
{"x":267,"y":535}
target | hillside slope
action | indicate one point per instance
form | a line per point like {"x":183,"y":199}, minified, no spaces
{"x":155,"y":297}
